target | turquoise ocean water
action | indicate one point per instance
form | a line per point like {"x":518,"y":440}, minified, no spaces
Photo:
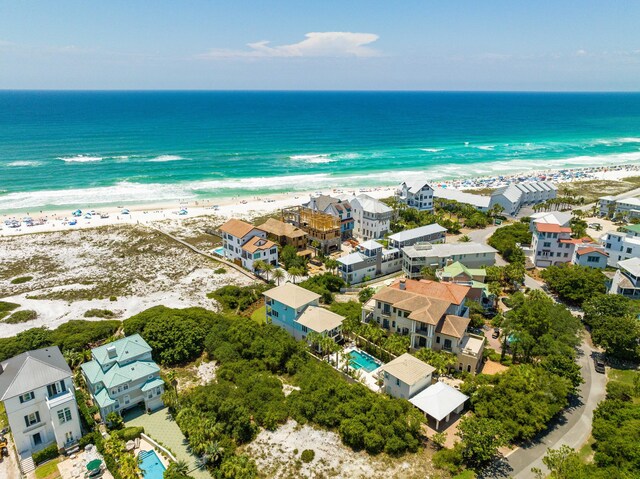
{"x":67,"y":149}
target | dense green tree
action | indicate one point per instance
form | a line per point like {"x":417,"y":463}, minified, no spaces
{"x":481,"y":439}
{"x":442,"y":361}
{"x":619,"y":337}
{"x":574,"y":283}
{"x":290,"y":259}
{"x":505,"y":238}
{"x":365,"y":294}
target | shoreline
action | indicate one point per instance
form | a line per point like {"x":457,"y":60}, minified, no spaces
{"x":251,"y":205}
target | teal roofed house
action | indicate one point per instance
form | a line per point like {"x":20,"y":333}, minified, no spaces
{"x":473,"y":277}
{"x":123,"y":375}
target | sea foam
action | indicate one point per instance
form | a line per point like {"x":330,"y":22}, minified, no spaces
{"x":313,"y":159}
{"x":164,"y":158}
{"x":80,"y":159}
{"x":24,"y":163}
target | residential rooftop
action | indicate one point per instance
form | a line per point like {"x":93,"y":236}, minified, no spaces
{"x":258,"y":244}
{"x":292,"y":295}
{"x":408,"y":369}
{"x":237,"y":228}
{"x":280,"y":228}
{"x":445,"y":250}
{"x":632,"y":265}
{"x":439,"y":400}
{"x":319,"y":319}
{"x":416,"y":233}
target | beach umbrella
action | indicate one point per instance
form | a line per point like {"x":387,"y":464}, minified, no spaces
{"x":93,"y":465}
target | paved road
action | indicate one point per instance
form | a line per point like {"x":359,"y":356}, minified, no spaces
{"x":572,"y":429}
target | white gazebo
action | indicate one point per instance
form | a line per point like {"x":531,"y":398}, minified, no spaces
{"x":439,"y":401}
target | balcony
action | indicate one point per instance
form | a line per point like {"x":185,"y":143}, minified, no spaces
{"x":61,"y":398}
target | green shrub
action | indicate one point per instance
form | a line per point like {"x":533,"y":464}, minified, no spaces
{"x":21,"y":280}
{"x":620,"y":391}
{"x":99,"y":313}
{"x":450,"y":460}
{"x":86,"y":413}
{"x":46,"y":454}
{"x":115,"y":421}
{"x":130,"y":433}
{"x":21,"y":316}
{"x":90,"y":438}
{"x":219,"y":271}
{"x":238,"y":298}
{"x":113,"y":298}
{"x":5,"y":306}
{"x":307,"y":455}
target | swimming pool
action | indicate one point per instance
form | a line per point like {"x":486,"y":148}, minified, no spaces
{"x":150,"y":465}
{"x":219,"y":251}
{"x":362,"y":360}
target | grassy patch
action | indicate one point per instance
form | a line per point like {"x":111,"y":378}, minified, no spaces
{"x":623,"y":375}
{"x":3,"y":416}
{"x":594,"y":189}
{"x":259,"y":315}
{"x":481,"y":191}
{"x":21,"y":316}
{"x":99,"y":313}
{"x":468,"y":474}
{"x":6,"y":306}
{"x":48,"y":470}
{"x":586,"y":451}
{"x":21,"y":280}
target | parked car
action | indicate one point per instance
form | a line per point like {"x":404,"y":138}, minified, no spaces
{"x":496,"y":333}
{"x":598,"y":363}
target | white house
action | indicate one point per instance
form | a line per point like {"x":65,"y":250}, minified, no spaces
{"x":416,"y":194}
{"x":621,"y":245}
{"x":551,"y":244}
{"x":372,"y":217}
{"x":369,"y":261}
{"x":516,"y":195}
{"x":559,"y":218}
{"x":37,"y":390}
{"x":406,"y":376}
{"x":259,"y":249}
{"x":245,"y":244}
{"x":122,"y":375}
{"x":626,"y":281}
{"x":628,"y":207}
{"x":418,"y":256}
{"x":433,"y":233}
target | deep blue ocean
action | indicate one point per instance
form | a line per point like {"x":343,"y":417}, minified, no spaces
{"x":62,"y":149}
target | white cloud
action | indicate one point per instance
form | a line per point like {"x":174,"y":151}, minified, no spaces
{"x":315,"y":44}
{"x":581,"y":53}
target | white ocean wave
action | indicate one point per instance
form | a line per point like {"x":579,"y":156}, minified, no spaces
{"x":79,"y":159}
{"x":164,"y":158}
{"x":314,"y":159}
{"x":432,"y":150}
{"x":487,"y":147}
{"x":629,"y":139}
{"x":24,"y":163}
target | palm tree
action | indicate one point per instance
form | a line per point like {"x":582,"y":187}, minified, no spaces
{"x":346,"y":358}
{"x":428,"y":273}
{"x":181,"y":467}
{"x":331,"y":264}
{"x":212,"y":453}
{"x":296,"y":273}
{"x":267,"y":268}
{"x":259,"y":265}
{"x":464,"y":239}
{"x":278,"y":275}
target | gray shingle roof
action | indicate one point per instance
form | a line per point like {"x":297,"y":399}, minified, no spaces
{"x":32,"y":370}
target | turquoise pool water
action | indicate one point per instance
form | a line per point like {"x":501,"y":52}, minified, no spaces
{"x":219,"y":250}
{"x":150,"y":465}
{"x":362,"y":360}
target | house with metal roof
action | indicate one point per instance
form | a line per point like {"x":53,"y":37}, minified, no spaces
{"x":421,"y":255}
{"x":433,"y":233}
{"x":297,"y":310}
{"x":439,"y":402}
{"x":37,"y":390}
{"x":516,"y":195}
{"x":123,"y":375}
{"x":626,"y":280}
{"x":372,"y":217}
{"x":416,"y":193}
{"x":622,"y":245}
{"x":479,"y":202}
{"x":473,"y":277}
{"x":369,"y":261}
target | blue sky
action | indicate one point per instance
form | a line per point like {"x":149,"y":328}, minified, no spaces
{"x":326,"y":44}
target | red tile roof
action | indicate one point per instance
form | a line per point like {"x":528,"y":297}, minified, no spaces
{"x":551,"y":228}
{"x":451,"y":292}
{"x":590,"y":249}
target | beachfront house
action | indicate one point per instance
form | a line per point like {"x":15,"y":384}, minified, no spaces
{"x":405,"y":376}
{"x":416,"y":194}
{"x":335,"y":207}
{"x":474,"y":278}
{"x":245,"y":244}
{"x":369,"y":261}
{"x":433,"y":314}
{"x":427,"y":255}
{"x":559,"y":218}
{"x":297,"y":310}
{"x":622,"y":245}
{"x":623,"y":205}
{"x":122,"y":375}
{"x":433,"y":233}
{"x":285,"y":234}
{"x":516,"y":195}
{"x":479,"y":202}
{"x":626,"y":280}
{"x":37,"y":390}
{"x":372,"y":218}
{"x":323,"y":229}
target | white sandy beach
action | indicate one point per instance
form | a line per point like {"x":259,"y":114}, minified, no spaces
{"x":248,"y":207}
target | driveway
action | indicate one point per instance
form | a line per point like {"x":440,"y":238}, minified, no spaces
{"x":573,"y":428}
{"x":9,"y":466}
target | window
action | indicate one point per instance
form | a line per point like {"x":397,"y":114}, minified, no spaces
{"x":593,"y":259}
{"x":628,"y":250}
{"x":56,"y":388}
{"x":31,"y":419}
{"x":566,"y":255}
{"x":149,"y":394}
{"x":64,"y":415}
{"x":37,"y":439}
{"x":437,"y":339}
{"x":304,"y":329}
{"x":397,"y":382}
{"x":27,"y":397}
{"x":447,"y":344}
{"x":547,"y":244}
